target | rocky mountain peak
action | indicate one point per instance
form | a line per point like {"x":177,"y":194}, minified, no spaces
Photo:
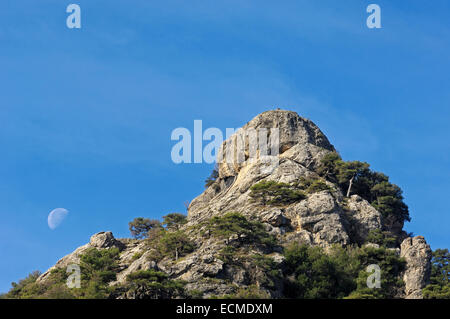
{"x":293,"y":137}
{"x":292,"y":147}
{"x":293,"y":128}
{"x":315,"y":212}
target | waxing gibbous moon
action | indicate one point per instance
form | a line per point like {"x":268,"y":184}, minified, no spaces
{"x":56,"y":217}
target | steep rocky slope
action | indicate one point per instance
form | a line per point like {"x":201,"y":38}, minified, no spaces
{"x":323,"y":218}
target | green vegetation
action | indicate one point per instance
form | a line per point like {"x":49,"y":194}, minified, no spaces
{"x":273,"y":193}
{"x":235,"y":224}
{"x":195,"y":294}
{"x":175,"y":244}
{"x":306,"y":272}
{"x":377,"y":236}
{"x":136,"y":256}
{"x":280,"y":194}
{"x":356,"y":178}
{"x":270,"y":269}
{"x":345,"y":174}
{"x":227,"y":254}
{"x":167,"y":239}
{"x":439,"y":287}
{"x":249,"y":292}
{"x":152,"y":284}
{"x":212,"y":178}
{"x":98,"y":269}
{"x":139,"y":227}
{"x":312,"y":185}
{"x":174,"y":221}
{"x":316,"y":274}
{"x":340,"y":273}
{"x":146,"y":228}
{"x":25,"y":288}
{"x":172,"y":244}
{"x":391,"y":267}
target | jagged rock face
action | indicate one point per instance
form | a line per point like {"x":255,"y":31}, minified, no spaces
{"x":129,"y":263}
{"x":299,"y":140}
{"x":417,"y":254}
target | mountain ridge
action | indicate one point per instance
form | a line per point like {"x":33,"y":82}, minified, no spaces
{"x":295,"y":195}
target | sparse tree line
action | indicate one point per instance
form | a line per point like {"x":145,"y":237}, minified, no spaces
{"x":350,"y":177}
{"x":356,"y":177}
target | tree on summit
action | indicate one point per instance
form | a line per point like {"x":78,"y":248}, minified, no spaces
{"x":174,"y":221}
{"x":139,"y":227}
{"x":345,"y":174}
{"x":349,"y":172}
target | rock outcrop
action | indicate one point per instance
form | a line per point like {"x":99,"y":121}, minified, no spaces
{"x":324,"y":218}
{"x":101,"y":240}
{"x":417,"y":254}
{"x":104,"y":240}
{"x":318,"y":219}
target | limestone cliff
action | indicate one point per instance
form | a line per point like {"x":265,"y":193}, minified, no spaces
{"x":417,"y":253}
{"x":324,"y":218}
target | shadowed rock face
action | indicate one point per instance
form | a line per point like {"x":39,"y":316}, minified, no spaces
{"x":364,"y":218}
{"x":323,"y":218}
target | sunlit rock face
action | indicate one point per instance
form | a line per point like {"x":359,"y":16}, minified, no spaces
{"x":417,"y":254}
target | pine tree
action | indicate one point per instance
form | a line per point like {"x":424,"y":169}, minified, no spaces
{"x":139,"y":227}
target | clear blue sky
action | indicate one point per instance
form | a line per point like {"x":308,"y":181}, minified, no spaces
{"x":86,"y":115}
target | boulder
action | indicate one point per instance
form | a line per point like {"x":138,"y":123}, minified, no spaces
{"x":103,"y":240}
